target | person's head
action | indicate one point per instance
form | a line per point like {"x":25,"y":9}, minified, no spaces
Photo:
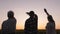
{"x":10,"y":14}
{"x":50,"y":18}
{"x":31,"y":13}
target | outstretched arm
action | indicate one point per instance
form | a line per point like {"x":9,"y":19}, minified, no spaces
{"x":46,"y":11}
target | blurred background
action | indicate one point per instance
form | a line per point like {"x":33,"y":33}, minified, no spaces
{"x":20,"y":7}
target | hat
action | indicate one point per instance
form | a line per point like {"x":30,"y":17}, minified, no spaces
{"x":31,"y":12}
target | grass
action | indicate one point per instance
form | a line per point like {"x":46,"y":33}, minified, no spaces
{"x":39,"y":31}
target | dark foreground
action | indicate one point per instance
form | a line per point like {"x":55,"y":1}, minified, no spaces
{"x":39,"y":31}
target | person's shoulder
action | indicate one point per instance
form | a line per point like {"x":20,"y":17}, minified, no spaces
{"x":5,"y":21}
{"x":48,"y":23}
{"x":36,"y":15}
{"x":51,"y":24}
{"x":27,"y":19}
{"x":14,"y":19}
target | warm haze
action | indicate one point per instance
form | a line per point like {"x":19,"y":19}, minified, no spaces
{"x":20,"y":7}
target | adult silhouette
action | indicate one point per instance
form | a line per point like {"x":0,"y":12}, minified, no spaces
{"x":50,"y":27}
{"x":9,"y":25}
{"x":31,"y":23}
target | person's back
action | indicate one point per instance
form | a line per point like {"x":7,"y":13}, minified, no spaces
{"x":9,"y":26}
{"x":50,"y":28}
{"x":31,"y":24}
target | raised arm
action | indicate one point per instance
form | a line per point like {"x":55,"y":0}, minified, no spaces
{"x":46,"y":11}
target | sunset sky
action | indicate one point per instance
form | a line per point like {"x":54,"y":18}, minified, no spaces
{"x":20,"y":7}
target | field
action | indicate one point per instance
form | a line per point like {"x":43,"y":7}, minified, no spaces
{"x":39,"y":31}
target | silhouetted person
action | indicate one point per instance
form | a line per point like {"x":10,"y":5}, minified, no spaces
{"x":9,"y":25}
{"x":31,"y":23}
{"x":50,"y":27}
